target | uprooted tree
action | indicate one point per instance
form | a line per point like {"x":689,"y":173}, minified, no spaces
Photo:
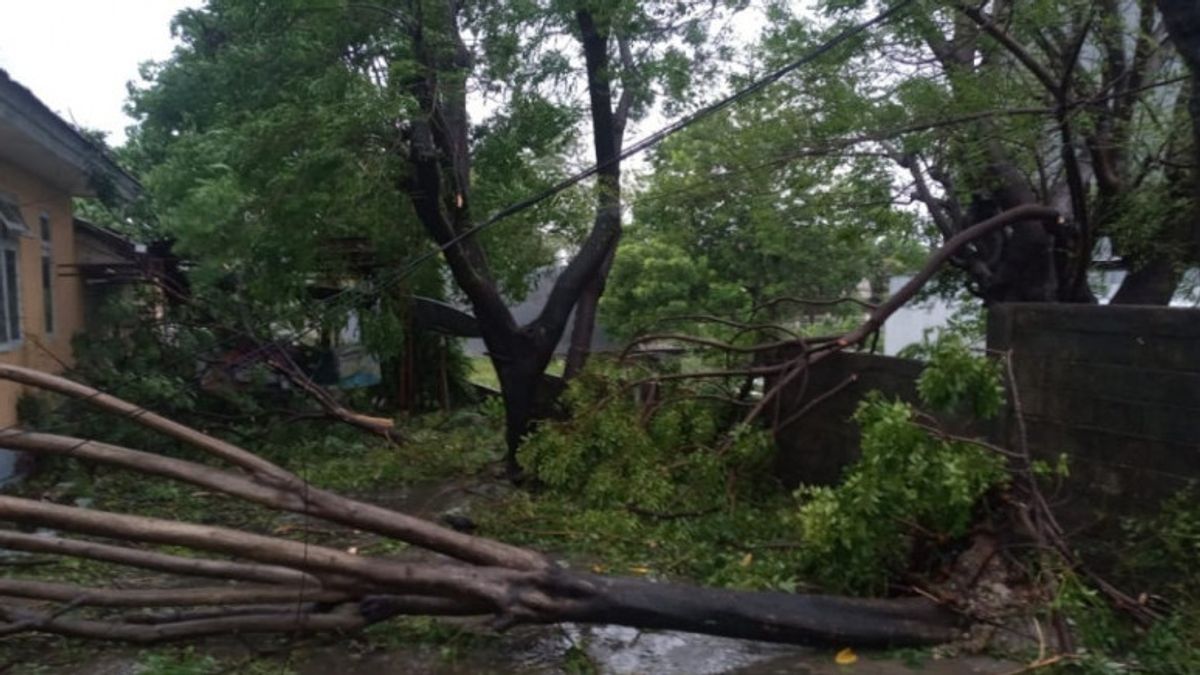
{"x":294,"y":586}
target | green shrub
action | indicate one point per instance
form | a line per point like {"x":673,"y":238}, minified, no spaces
{"x":615,"y":451}
{"x":909,"y":479}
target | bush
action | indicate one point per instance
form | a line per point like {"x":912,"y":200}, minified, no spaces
{"x":615,"y":451}
{"x":909,"y":478}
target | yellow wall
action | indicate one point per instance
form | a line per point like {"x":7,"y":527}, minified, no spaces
{"x":36,"y":349}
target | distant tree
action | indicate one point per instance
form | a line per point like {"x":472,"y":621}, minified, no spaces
{"x":733,"y":217}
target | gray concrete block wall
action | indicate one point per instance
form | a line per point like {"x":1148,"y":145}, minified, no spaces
{"x":1116,"y":389}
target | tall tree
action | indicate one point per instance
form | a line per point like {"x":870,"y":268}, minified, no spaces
{"x":1182,"y":19}
{"x":986,"y":107}
{"x":609,"y":34}
{"x":279,"y":126}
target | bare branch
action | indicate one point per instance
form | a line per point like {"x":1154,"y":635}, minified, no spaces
{"x":162,"y":562}
{"x":321,"y":503}
{"x":165,"y":597}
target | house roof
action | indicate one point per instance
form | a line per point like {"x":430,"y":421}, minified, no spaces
{"x":34,"y":137}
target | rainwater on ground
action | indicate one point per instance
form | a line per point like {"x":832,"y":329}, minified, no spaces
{"x":616,"y":650}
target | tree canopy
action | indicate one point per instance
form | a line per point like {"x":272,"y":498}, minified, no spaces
{"x":302,"y":143}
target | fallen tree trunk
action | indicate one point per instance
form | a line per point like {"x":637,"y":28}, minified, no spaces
{"x":332,"y":590}
{"x":515,"y":585}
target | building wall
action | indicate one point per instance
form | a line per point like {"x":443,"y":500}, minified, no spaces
{"x":915,"y":321}
{"x":37,"y":349}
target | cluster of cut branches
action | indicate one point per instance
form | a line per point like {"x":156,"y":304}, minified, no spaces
{"x":271,"y":584}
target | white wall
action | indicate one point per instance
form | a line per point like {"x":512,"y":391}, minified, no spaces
{"x":908,"y":325}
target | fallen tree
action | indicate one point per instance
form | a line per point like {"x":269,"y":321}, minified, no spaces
{"x":285,"y":585}
{"x":299,"y":587}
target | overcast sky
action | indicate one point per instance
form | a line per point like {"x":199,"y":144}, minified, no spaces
{"x":77,"y":55}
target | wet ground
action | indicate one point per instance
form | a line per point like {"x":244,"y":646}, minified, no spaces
{"x":615,"y":650}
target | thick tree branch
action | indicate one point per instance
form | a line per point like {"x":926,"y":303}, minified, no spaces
{"x":84,"y":596}
{"x":318,"y":502}
{"x":606,"y":228}
{"x":161,"y":562}
{"x":798,"y":367}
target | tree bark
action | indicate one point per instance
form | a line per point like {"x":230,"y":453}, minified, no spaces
{"x":1153,"y":283}
{"x":608,"y":128}
{"x":1182,"y":18}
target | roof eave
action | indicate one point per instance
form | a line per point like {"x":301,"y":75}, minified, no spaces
{"x":21,"y":109}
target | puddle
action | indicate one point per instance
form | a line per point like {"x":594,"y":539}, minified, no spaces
{"x":616,"y":650}
{"x":625,"y":651}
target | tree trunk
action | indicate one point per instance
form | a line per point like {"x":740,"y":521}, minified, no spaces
{"x":1153,"y":283}
{"x":583,"y":332}
{"x":608,"y":127}
{"x":519,"y":382}
{"x":1182,"y":18}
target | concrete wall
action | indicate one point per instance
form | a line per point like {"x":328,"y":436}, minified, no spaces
{"x":1117,"y":389}
{"x":816,"y":448}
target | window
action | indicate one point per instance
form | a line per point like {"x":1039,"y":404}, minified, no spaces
{"x":47,"y":275}
{"x":10,"y":309}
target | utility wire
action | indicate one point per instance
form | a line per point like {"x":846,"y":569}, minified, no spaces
{"x":660,"y":135}
{"x":641,"y":145}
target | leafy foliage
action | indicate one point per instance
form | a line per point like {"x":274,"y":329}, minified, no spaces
{"x":731,"y":218}
{"x":658,"y":456}
{"x":1163,"y":547}
{"x":909,"y":479}
{"x":1111,"y":646}
{"x":616,"y":453}
{"x":955,"y":381}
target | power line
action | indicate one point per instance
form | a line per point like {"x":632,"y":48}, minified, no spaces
{"x":660,"y":135}
{"x":641,"y":145}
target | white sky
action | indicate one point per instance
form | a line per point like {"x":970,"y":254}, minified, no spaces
{"x":77,"y":55}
